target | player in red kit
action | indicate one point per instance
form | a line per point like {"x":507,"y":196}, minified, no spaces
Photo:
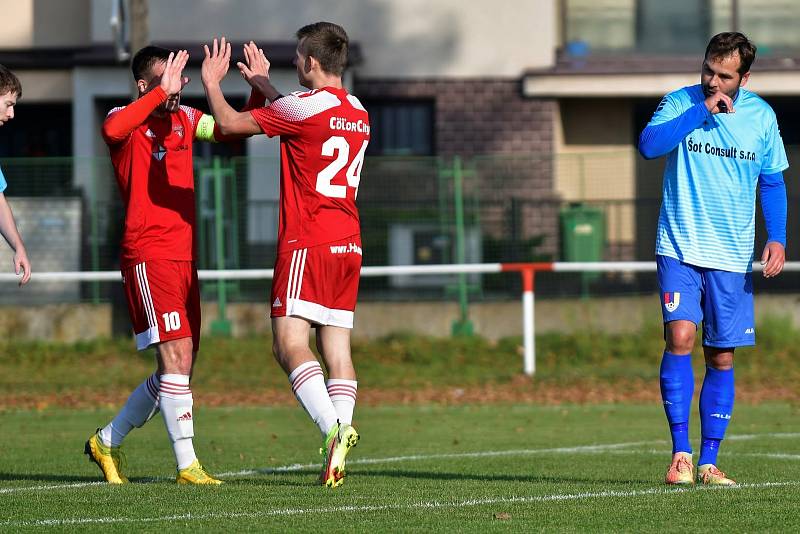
{"x":150,"y":142}
{"x":323,"y":137}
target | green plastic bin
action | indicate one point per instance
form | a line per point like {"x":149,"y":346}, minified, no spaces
{"x":583,"y":233}
{"x":583,"y":236}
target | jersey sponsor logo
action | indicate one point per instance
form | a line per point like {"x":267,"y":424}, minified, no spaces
{"x":159,"y":153}
{"x":731,"y":152}
{"x":672,"y":300}
{"x":277,"y":303}
{"x":344,"y":249}
{"x":340,"y":123}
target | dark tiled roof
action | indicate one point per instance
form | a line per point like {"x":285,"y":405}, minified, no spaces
{"x":650,"y":64}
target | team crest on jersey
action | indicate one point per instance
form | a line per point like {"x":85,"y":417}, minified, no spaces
{"x":672,"y":300}
{"x":178,"y":130}
{"x":159,"y":153}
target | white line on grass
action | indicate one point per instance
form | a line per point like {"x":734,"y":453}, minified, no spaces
{"x":428,"y":505}
{"x":775,"y":455}
{"x":769,"y":455}
{"x":443,"y":456}
{"x":391,"y":459}
{"x":52,"y":486}
{"x":779,"y":435}
{"x":585,"y":449}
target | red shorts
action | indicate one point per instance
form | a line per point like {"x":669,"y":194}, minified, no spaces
{"x":319,"y":284}
{"x":163,"y":301}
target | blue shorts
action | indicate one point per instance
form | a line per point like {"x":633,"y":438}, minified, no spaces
{"x":721,"y":300}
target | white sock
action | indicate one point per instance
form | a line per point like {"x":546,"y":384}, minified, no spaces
{"x":140,"y":407}
{"x":343,"y":396}
{"x":175,"y":401}
{"x":308,"y":385}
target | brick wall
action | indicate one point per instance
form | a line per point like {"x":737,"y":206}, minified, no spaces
{"x":510,"y":140}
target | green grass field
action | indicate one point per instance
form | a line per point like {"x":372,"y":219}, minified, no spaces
{"x":501,"y":467}
{"x":453,"y":439}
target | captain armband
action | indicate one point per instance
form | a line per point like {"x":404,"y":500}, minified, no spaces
{"x":205,"y":129}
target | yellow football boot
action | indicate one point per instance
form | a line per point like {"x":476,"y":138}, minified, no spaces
{"x":196,"y":474}
{"x":107,"y":459}
{"x":709,"y":474}
{"x":338,"y":443}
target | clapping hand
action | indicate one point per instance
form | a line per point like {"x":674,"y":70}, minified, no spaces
{"x":216,"y":63}
{"x":172,"y":79}
{"x":255,"y":69}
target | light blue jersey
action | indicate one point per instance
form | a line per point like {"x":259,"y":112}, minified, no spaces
{"x":3,"y":183}
{"x":707,"y":216}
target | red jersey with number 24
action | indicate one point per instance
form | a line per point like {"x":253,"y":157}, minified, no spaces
{"x":324,"y":135}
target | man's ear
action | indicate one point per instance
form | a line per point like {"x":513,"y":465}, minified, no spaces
{"x":745,"y":78}
{"x":312,"y":63}
{"x":142,"y":86}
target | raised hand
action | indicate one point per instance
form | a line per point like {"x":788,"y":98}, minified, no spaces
{"x":216,"y":62}
{"x":172,"y":80}
{"x":256,"y":66}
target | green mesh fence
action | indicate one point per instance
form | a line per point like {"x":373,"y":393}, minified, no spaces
{"x":414,"y":210}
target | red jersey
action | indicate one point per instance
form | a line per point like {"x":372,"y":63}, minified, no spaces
{"x":324,"y":135}
{"x":153,"y":166}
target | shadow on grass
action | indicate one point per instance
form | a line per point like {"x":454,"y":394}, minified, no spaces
{"x":483,"y":477}
{"x":275,"y":480}
{"x":300,"y":477}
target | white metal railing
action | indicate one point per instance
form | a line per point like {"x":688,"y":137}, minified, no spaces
{"x":527,"y":270}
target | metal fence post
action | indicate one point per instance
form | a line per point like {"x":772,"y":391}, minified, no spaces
{"x":463,"y":326}
{"x":528,"y":322}
{"x":94,"y":229}
{"x":221,"y":325}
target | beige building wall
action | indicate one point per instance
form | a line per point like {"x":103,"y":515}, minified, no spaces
{"x":595,"y":160}
{"x":44,"y":23}
{"x":16,"y":26}
{"x":45,"y":85}
{"x":399,"y":38}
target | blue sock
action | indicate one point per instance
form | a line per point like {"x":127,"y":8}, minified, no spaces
{"x":677,"y":388}
{"x":716,"y":407}
{"x":708,"y":451}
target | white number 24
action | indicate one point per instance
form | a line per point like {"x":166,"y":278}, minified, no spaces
{"x":338,"y":145}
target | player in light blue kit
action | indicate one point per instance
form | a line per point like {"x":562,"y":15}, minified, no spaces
{"x":721,"y":142}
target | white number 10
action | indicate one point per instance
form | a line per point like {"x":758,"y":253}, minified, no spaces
{"x":341,"y":148}
{"x":172,"y":321}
